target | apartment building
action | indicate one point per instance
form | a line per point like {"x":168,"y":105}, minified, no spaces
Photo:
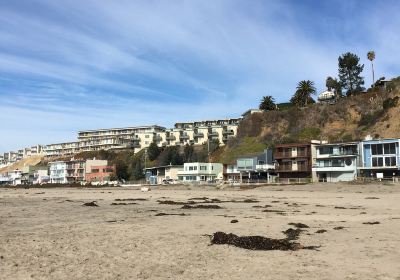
{"x":379,"y":158}
{"x":293,"y":160}
{"x":231,"y":173}
{"x":335,"y":162}
{"x":201,"y":172}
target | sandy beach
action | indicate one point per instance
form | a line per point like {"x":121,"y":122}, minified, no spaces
{"x":49,"y":234}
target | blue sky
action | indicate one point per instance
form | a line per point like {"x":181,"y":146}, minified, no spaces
{"x":72,"y":65}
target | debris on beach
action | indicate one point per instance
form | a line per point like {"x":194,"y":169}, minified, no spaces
{"x":321,"y":231}
{"x":340,"y":207}
{"x":130,"y":199}
{"x":256,"y":242}
{"x":200,"y":206}
{"x":169,"y":214}
{"x":260,"y":206}
{"x":234,"y":221}
{"x":92,"y":204}
{"x":170,"y":202}
{"x":273,"y":211}
{"x":299,"y":225}
{"x":123,"y":203}
{"x":338,"y":228}
{"x":292,"y":234}
{"x":371,"y":223}
{"x":372,"y":197}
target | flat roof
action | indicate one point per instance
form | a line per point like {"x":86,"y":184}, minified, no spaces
{"x":163,"y":166}
{"x":122,"y":128}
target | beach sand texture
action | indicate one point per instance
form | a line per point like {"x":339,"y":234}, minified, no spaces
{"x":49,"y":234}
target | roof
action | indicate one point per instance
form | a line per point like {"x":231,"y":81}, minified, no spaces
{"x":163,"y":166}
{"x":122,"y":128}
{"x":292,"y":145}
{"x":337,"y":144}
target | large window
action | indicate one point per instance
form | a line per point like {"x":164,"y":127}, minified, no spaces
{"x":203,"y":167}
{"x":326,"y":150}
{"x":377,"y":149}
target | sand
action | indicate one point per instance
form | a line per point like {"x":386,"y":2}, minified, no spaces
{"x":48,"y":234}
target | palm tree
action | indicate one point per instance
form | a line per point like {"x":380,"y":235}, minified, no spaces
{"x":371,"y":57}
{"x":267,"y":103}
{"x":303,"y":93}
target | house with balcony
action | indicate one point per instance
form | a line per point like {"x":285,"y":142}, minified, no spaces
{"x":58,"y":172}
{"x":256,"y":167}
{"x":335,"y":162}
{"x":201,"y":172}
{"x":379,"y":158}
{"x":293,"y":160}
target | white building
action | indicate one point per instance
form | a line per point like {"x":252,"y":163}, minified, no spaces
{"x":335,"y":162}
{"x":201,"y":172}
{"x":58,"y":172}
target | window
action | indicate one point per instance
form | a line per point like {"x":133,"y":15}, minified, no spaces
{"x":147,"y":136}
{"x":377,"y":149}
{"x":377,"y":161}
{"x":203,"y":167}
{"x":390,"y":161}
{"x":190,"y":168}
{"x":146,"y":142}
{"x":326,"y":150}
{"x":390,"y":148}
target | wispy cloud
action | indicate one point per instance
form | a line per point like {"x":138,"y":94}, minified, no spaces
{"x":73,"y":65}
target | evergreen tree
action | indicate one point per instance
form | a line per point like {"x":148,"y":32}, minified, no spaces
{"x":334,"y":84}
{"x":153,"y":151}
{"x":349,"y":73}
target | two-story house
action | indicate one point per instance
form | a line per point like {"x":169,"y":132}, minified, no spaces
{"x":293,"y":160}
{"x":379,"y":158}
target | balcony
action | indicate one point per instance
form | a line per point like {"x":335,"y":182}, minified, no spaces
{"x":183,"y":137}
{"x":284,"y":168}
{"x":170,"y":138}
{"x":228,"y":132}
{"x":198,"y":134}
{"x":291,"y":154}
{"x":158,"y":138}
{"x":265,"y":166}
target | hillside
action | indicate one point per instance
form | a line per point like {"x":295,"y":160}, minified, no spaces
{"x":34,"y":160}
{"x":375,"y":113}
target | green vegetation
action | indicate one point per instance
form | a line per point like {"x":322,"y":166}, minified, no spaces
{"x":267,"y":103}
{"x":246,"y":146}
{"x":349,"y":73}
{"x":308,"y":134}
{"x":302,"y":96}
{"x":153,"y":151}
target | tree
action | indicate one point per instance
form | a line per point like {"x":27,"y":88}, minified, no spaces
{"x":334,"y":84}
{"x":153,"y":151}
{"x":371,"y":57}
{"x":137,"y":169}
{"x":303,"y":93}
{"x":349,"y":73}
{"x":188,"y":153}
{"x":267,"y":103}
{"x":170,"y":155}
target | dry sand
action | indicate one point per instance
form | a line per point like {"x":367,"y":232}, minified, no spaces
{"x":48,"y":234}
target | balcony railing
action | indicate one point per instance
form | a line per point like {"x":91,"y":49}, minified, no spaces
{"x":170,"y":137}
{"x":183,"y":136}
{"x":228,"y":132}
{"x":292,"y":154}
{"x":199,"y":135}
{"x":291,"y":169}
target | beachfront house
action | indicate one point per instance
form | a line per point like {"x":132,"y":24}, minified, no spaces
{"x":256,"y":167}
{"x":293,"y":160}
{"x":231,"y":173}
{"x":98,"y":171}
{"x":201,"y":172}
{"x":161,"y":174}
{"x":58,"y":172}
{"x":379,"y":158}
{"x":335,"y":162}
